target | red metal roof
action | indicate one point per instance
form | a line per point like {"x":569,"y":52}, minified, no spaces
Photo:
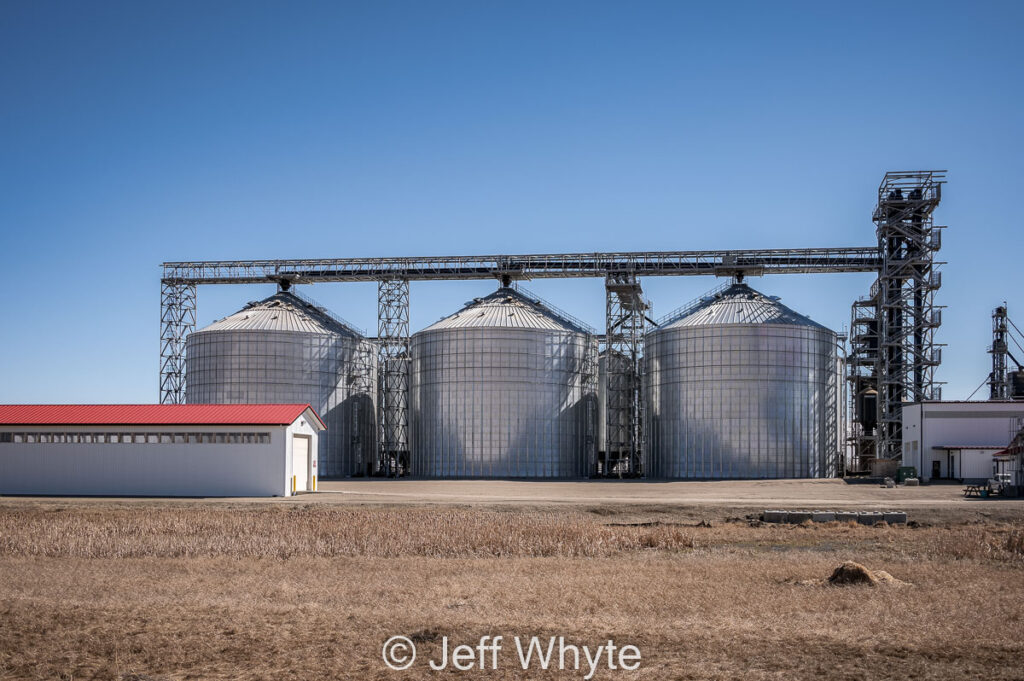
{"x":152,"y":414}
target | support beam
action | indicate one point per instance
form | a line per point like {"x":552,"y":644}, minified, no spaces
{"x":177,"y":320}
{"x":551,"y":266}
{"x":393,"y":340}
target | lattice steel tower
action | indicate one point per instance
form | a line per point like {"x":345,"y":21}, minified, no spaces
{"x":393,"y":337}
{"x":999,"y":387}
{"x":906,"y":311}
{"x":177,"y":321}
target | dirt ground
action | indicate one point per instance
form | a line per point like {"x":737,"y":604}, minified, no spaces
{"x":693,"y":500}
{"x":311,"y":587}
{"x":739,"y":492}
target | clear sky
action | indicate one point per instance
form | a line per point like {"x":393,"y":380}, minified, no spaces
{"x":133,"y":133}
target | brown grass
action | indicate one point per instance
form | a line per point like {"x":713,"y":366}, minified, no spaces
{"x":194,"y":592}
{"x":324,"y":533}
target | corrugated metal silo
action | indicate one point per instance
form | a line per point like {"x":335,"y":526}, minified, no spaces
{"x":741,"y":386}
{"x":505,"y":387}
{"x":285,"y":349}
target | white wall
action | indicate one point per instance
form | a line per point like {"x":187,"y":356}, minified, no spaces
{"x":976,"y":464}
{"x":981,"y":428}
{"x":300,"y":427}
{"x":150,"y":469}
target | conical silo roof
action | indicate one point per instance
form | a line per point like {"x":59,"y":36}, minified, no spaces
{"x":283,"y":311}
{"x":740,"y":304}
{"x":507,"y":308}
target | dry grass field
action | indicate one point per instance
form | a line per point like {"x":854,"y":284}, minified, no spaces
{"x":310,"y":590}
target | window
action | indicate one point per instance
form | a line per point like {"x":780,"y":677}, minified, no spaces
{"x":138,"y":438}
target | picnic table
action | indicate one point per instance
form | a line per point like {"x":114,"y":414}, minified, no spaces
{"x":975,"y":490}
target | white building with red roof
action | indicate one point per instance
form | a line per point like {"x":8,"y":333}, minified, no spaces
{"x":194,"y":450}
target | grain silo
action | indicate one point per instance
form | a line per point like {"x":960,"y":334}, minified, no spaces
{"x":741,"y":386}
{"x":505,"y":387}
{"x":285,"y":349}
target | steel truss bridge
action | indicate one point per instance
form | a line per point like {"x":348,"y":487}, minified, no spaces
{"x":626,"y":322}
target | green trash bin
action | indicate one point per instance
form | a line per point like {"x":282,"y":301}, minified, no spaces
{"x":904,"y":472}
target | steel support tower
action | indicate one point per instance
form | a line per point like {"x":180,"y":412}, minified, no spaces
{"x":862,"y":368}
{"x":393,"y":370}
{"x":999,"y":386}
{"x":177,"y":321}
{"x":906,"y":311}
{"x":626,"y":325}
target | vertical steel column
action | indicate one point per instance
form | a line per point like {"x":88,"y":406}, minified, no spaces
{"x":907,"y":314}
{"x":393,"y":362}
{"x":177,"y":320}
{"x":999,"y":388}
{"x":588,"y":384}
{"x":626,"y":322}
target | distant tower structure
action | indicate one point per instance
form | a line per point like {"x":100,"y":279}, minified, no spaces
{"x":906,"y":313}
{"x":999,"y":387}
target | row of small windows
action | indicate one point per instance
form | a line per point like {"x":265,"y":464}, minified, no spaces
{"x":138,"y":438}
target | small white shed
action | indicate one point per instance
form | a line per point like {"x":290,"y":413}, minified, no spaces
{"x":194,"y":450}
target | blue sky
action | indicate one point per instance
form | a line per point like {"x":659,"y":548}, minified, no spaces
{"x":133,"y":133}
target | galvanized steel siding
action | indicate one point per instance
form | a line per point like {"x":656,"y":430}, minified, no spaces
{"x":740,"y":400}
{"x":502,"y":402}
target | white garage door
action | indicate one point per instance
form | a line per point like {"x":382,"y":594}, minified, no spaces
{"x":300,"y":463}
